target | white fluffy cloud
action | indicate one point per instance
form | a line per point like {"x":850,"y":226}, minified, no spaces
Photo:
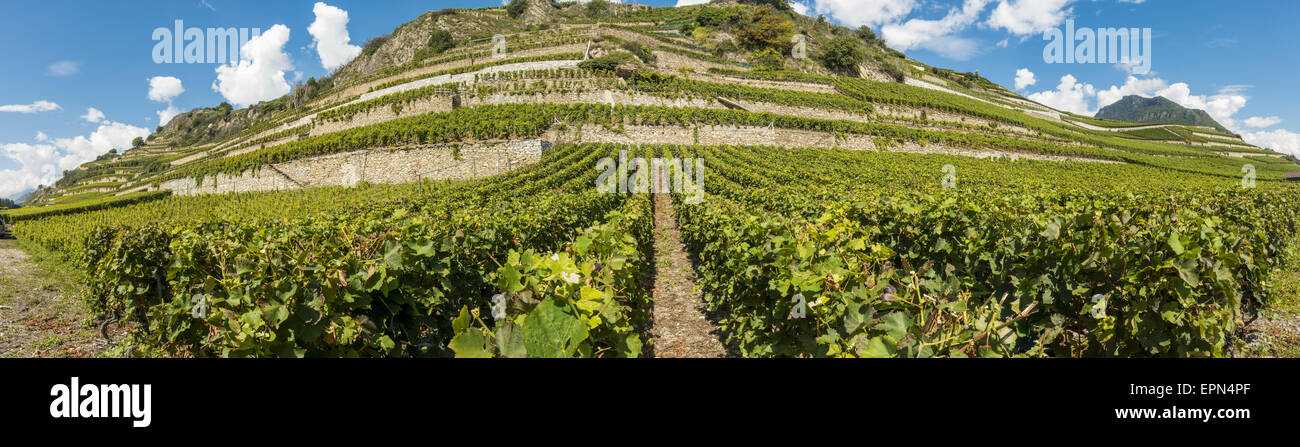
{"x":1025,"y":78}
{"x":330,"y":36}
{"x":1073,"y":96}
{"x":1261,"y":122}
{"x":1025,"y":17}
{"x":259,"y":75}
{"x":164,"y":88}
{"x":1221,"y":106}
{"x":93,"y":115}
{"x":166,"y":115}
{"x":38,"y":165}
{"x":1279,"y":140}
{"x":44,"y":163}
{"x":801,"y":8}
{"x":1070,"y":95}
{"x":64,"y":68}
{"x":936,"y":35}
{"x":38,"y":106}
{"x":872,"y":13}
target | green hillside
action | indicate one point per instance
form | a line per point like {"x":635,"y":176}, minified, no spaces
{"x":447,"y":194}
{"x":1157,"y":110}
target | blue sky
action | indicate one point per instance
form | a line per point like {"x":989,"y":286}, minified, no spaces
{"x":1237,"y":62}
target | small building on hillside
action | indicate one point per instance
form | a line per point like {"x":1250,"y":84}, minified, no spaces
{"x":1292,"y":176}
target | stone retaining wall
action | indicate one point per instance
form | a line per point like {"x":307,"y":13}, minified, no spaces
{"x":434,"y":162}
{"x":710,"y":135}
{"x":365,"y":87}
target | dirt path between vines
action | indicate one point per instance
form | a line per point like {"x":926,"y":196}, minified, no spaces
{"x":1275,"y":334}
{"x":681,"y":328}
{"x":37,"y":317}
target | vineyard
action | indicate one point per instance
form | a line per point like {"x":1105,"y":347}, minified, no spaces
{"x":1010,"y":262}
{"x":930,"y":223}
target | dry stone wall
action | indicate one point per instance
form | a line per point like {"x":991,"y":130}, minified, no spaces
{"x":709,"y":135}
{"x":433,"y":162}
{"x":677,"y":61}
{"x":766,"y":136}
{"x":469,"y":77}
{"x":1208,"y":135}
{"x":362,"y":88}
{"x":933,"y":148}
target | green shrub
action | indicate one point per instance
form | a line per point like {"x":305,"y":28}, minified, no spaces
{"x":715,"y":17}
{"x":894,"y":70}
{"x":842,"y":54}
{"x":598,"y":8}
{"x":641,"y":52}
{"x":516,"y":8}
{"x":764,"y":28}
{"x":688,"y":29}
{"x":769,"y":60}
{"x":779,"y":5}
{"x":607,"y":62}
{"x":441,"y":41}
{"x":373,"y":44}
{"x":865,"y":33}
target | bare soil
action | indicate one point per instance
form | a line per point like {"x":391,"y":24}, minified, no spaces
{"x":681,"y":325}
{"x":40,"y":313}
{"x":1275,"y":333}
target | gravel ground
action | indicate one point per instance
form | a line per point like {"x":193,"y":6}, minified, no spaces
{"x":1274,"y":334}
{"x":681,"y":327}
{"x":38,"y":318}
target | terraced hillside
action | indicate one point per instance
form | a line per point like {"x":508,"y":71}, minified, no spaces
{"x":442,"y":194}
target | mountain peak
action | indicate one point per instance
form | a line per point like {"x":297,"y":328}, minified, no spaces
{"x":1157,"y":110}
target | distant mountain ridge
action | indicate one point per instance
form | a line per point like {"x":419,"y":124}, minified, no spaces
{"x":21,"y":196}
{"x":1157,"y":110}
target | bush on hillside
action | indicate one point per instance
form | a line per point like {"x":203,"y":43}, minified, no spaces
{"x":598,"y":8}
{"x":715,"y":17}
{"x":607,"y":62}
{"x":779,"y":5}
{"x":687,"y":29}
{"x":842,"y":55}
{"x":373,"y":44}
{"x":895,"y":70}
{"x":441,"y":41}
{"x":641,"y":52}
{"x":516,"y":8}
{"x":865,"y":33}
{"x":768,"y":60}
{"x":765,"y":28}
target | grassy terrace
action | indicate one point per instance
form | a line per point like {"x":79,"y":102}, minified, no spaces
{"x":86,"y":186}
{"x":530,"y":120}
{"x":86,"y":205}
